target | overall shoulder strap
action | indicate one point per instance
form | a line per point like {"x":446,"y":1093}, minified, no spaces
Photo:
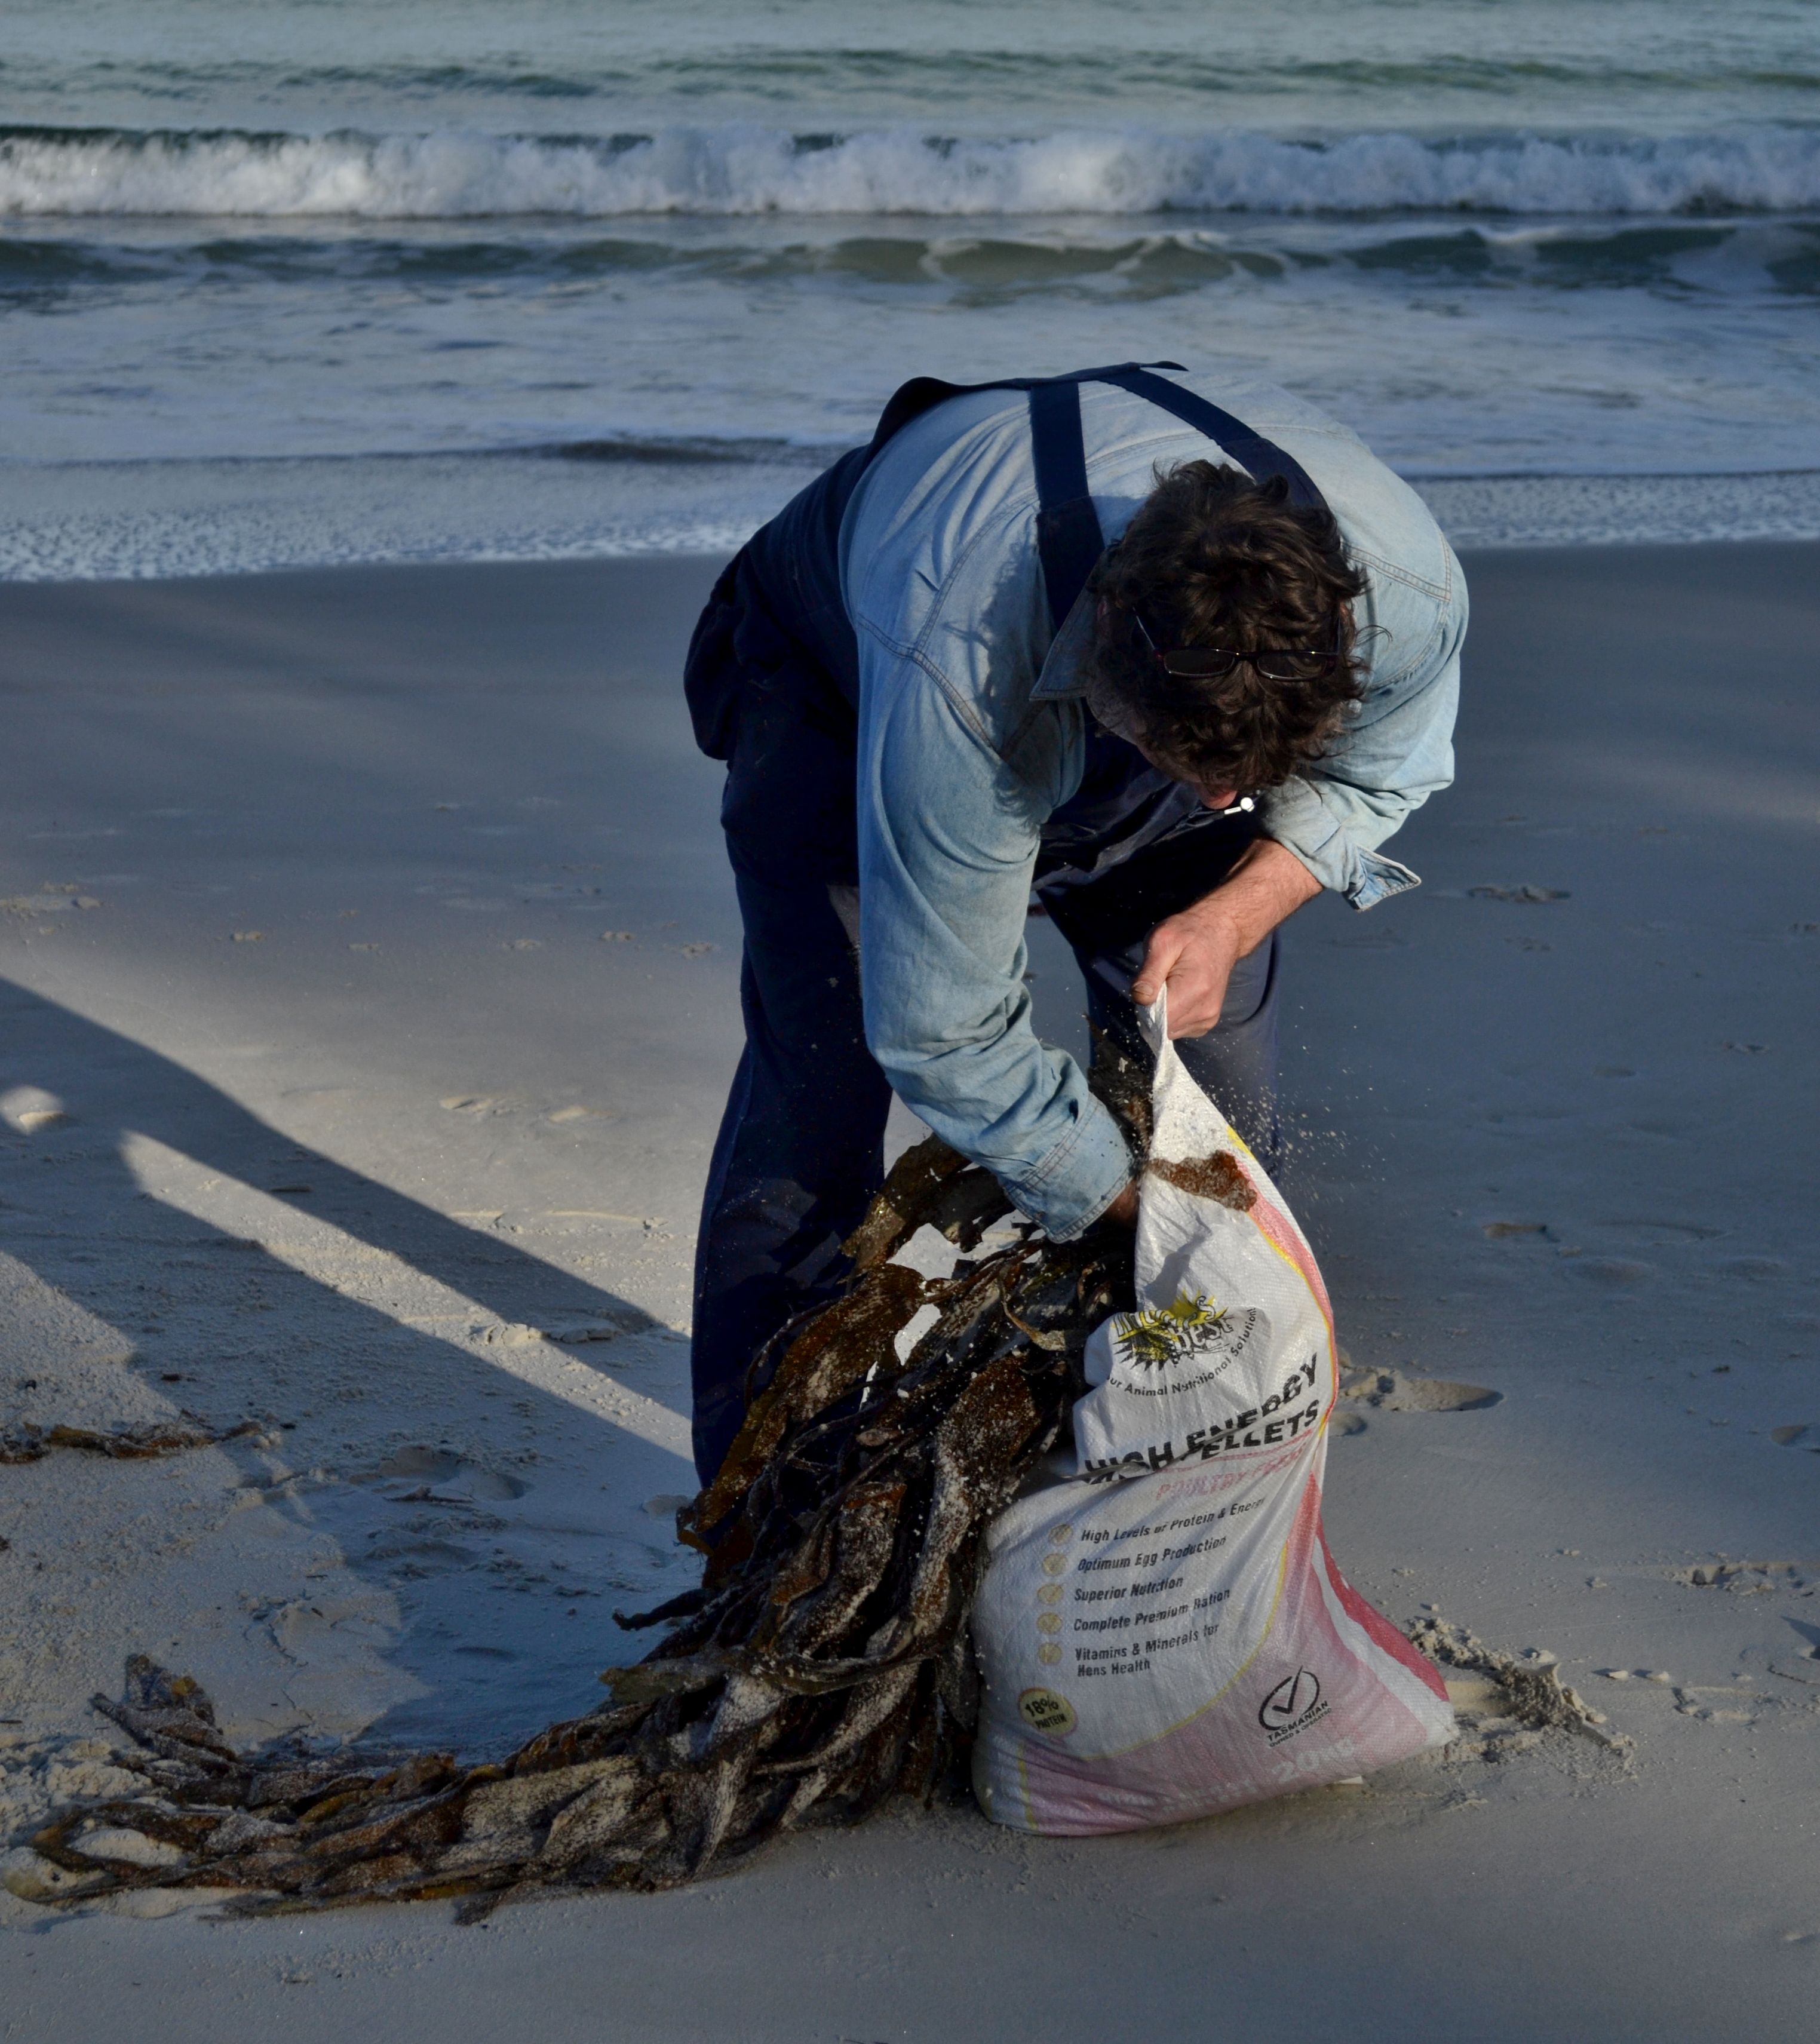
{"x":1261,"y":457}
{"x":1069,"y":537}
{"x":1069,"y":540}
{"x":922,"y":394}
{"x":1068,"y":534}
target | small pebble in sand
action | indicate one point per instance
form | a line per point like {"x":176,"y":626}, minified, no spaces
{"x":616,"y":936}
{"x":249,"y":936}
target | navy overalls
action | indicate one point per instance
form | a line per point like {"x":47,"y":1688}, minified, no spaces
{"x":773,"y":685}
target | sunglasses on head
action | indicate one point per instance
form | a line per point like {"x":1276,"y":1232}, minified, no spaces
{"x":1211,"y":662}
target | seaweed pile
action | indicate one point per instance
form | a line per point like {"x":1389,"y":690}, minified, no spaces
{"x":32,"y":1444}
{"x":822,"y":1667}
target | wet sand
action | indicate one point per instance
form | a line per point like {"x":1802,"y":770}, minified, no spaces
{"x":367,"y":994}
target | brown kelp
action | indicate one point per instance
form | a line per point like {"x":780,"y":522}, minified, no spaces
{"x":32,"y":1444}
{"x":822,"y":1665}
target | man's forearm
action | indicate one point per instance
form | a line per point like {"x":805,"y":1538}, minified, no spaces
{"x":1195,"y":951}
{"x":1266,"y":887}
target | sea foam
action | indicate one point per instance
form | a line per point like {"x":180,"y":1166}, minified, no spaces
{"x":745,"y":170}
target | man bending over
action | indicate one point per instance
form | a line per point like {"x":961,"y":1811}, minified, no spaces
{"x":1172,"y":657}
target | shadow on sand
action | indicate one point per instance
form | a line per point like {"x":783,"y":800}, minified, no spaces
{"x":495,"y":1512}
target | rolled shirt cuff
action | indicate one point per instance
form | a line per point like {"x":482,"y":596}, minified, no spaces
{"x":1079,"y":1178}
{"x":1297,"y":817}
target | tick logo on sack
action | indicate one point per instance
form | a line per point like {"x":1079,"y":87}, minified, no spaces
{"x":1158,"y":1336}
{"x":1292,"y":1706}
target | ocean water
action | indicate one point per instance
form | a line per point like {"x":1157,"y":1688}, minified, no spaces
{"x":286,"y":280}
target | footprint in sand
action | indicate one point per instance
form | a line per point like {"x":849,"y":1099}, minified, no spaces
{"x":1395,"y":1390}
{"x":1804,"y":1664}
{"x":1525,"y":893}
{"x":1659,"y":1234}
{"x":1761,"y":1270}
{"x":30,"y":1111}
{"x":1805,"y":1434}
{"x":1609,"y":1271}
{"x":1746,"y":1578}
{"x":422,"y":1475}
{"x":1717,"y":1705}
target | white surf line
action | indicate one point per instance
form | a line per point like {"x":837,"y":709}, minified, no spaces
{"x":383,"y":1283}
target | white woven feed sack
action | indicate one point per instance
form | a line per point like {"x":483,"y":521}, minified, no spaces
{"x":1161,"y":1632}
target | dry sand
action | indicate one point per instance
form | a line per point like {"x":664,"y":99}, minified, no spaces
{"x":367,"y":992}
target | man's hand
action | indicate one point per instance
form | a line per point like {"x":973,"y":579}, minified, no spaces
{"x":1194,"y":952}
{"x":1124,"y":1208}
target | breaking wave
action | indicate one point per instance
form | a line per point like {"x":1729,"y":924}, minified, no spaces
{"x":743,"y":170}
{"x":960,"y":263}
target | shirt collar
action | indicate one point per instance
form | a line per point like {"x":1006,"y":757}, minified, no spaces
{"x":1064,"y":673}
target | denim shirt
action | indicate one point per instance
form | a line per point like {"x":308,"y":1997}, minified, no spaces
{"x":971,"y":733}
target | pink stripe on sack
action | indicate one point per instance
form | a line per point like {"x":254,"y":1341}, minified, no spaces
{"x":1383,"y":1634}
{"x":1287,"y":1239}
{"x":1214,"y":1760}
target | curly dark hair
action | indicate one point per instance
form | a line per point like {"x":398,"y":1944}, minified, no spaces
{"x":1215,"y":558}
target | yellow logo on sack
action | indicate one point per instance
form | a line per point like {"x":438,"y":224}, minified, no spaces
{"x":1157,"y":1334}
{"x":1043,"y":1711}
